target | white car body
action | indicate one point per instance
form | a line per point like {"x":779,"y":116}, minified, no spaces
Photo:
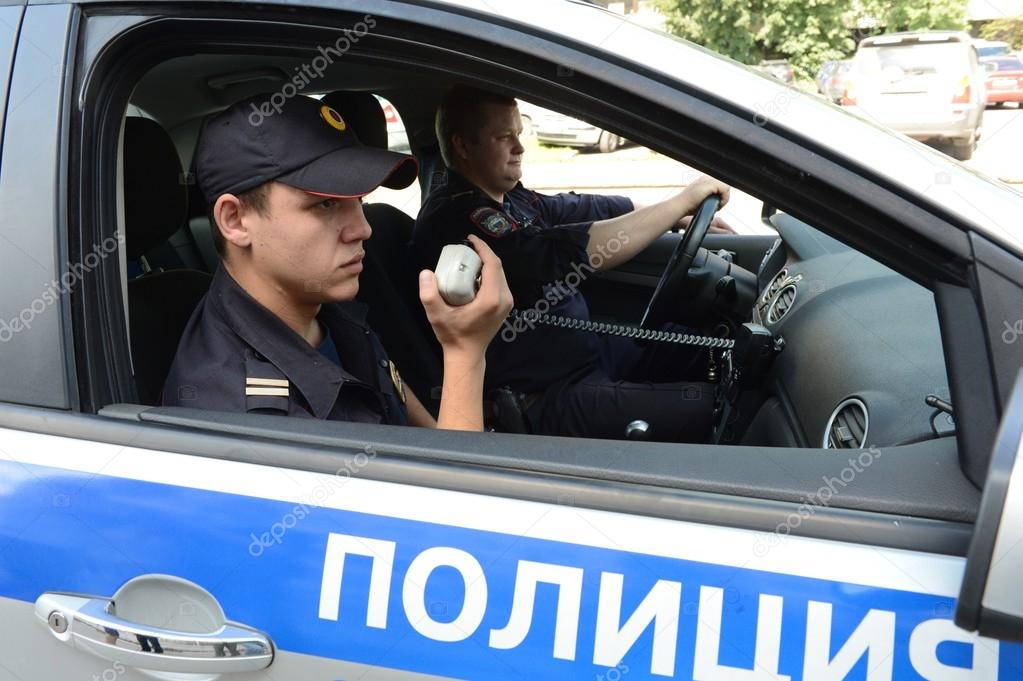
{"x":359,"y":551}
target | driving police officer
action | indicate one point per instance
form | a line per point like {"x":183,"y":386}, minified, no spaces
{"x":279,"y":332}
{"x":571,"y":382}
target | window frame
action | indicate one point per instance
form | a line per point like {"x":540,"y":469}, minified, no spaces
{"x":38,"y":365}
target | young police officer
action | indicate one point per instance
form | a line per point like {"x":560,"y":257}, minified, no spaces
{"x":574,"y":382}
{"x":279,"y":331}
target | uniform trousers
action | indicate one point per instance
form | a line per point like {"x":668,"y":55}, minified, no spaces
{"x":663,"y":384}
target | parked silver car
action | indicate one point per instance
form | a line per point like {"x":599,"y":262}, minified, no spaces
{"x":551,"y":127}
{"x":927,"y":85}
{"x":832,"y":78}
{"x":779,"y":68}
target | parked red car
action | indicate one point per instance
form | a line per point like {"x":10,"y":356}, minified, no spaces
{"x":1004,"y":79}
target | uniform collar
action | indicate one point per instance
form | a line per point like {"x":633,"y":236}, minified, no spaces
{"x":456,"y":185}
{"x":317,"y":378}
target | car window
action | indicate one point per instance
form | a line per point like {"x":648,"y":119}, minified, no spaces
{"x":1009,"y":64}
{"x":568,"y":154}
{"x":992,"y":50}
{"x":915,"y":58}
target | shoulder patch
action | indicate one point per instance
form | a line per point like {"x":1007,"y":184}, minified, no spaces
{"x":493,"y":221}
{"x":399,"y":385}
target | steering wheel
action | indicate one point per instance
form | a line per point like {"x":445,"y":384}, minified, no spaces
{"x":676,"y":272}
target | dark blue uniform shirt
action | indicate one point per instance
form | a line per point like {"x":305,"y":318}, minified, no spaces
{"x":236,"y":355}
{"x":541,"y":241}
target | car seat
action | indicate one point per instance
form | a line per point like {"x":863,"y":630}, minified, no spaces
{"x":160,"y":301}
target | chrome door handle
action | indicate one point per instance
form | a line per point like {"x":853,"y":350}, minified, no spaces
{"x":86,"y":623}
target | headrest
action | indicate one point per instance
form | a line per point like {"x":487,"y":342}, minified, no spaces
{"x":362,"y":111}
{"x":155,"y":195}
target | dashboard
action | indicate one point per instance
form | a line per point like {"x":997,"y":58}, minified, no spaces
{"x":862,"y":349}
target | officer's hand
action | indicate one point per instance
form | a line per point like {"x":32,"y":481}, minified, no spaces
{"x":469,"y":328}
{"x":705,"y":186}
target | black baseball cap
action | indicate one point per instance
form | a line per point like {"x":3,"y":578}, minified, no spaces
{"x":302,"y":143}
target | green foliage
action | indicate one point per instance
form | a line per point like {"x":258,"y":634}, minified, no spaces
{"x":725,"y":26}
{"x":1008,"y":30}
{"x":806,"y":32}
{"x":915,"y":15}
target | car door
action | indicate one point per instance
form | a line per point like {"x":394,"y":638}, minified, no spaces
{"x":988,"y":600}
{"x":127,"y":558}
{"x":140,"y":543}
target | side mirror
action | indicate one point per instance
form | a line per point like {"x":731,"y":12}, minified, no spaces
{"x":991,"y":600}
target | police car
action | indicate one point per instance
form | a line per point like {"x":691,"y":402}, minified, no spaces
{"x":859,"y":515}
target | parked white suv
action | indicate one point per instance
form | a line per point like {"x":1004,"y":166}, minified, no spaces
{"x":927,"y":85}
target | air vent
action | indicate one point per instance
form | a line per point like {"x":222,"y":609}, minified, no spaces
{"x":847,"y":427}
{"x":781,"y":304}
{"x":775,"y":284}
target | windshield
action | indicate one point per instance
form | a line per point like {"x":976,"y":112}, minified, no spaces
{"x":992,"y":50}
{"x":916,"y":59}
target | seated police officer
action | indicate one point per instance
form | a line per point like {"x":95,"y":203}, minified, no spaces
{"x":570,"y":382}
{"x":279,"y":331}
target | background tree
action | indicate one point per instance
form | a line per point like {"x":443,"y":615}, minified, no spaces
{"x":726,"y":26}
{"x":1008,"y":30}
{"x":806,"y":32}
{"x":912,"y":15}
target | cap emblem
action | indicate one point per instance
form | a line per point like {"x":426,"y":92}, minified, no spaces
{"x":332,"y":117}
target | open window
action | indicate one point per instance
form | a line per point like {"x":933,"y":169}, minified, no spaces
{"x":564,"y":153}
